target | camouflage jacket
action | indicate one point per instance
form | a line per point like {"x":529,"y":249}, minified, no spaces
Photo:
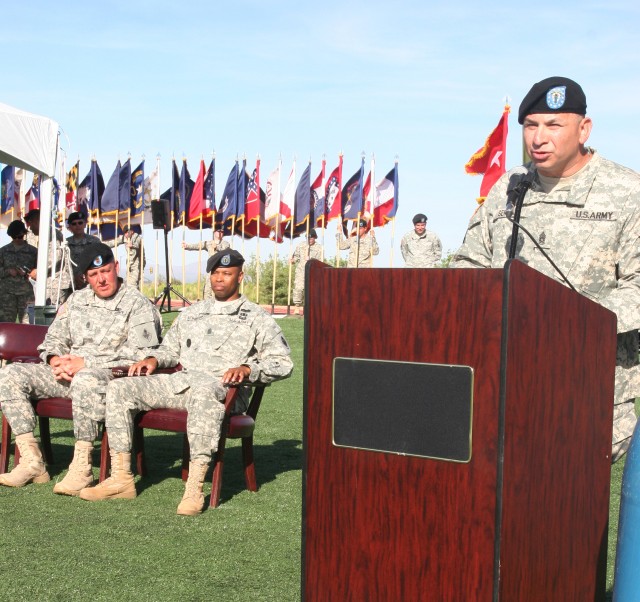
{"x":209,"y":337}
{"x":421,"y":251}
{"x":364,"y":255}
{"x":17,"y":257}
{"x":211,"y":246}
{"x":303,"y":252}
{"x":105,"y":332}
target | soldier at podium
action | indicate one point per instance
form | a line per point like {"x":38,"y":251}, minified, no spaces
{"x":584,"y":211}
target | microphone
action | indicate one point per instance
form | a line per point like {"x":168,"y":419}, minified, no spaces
{"x":520,"y":180}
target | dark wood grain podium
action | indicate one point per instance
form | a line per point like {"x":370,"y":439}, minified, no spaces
{"x":505,"y":497}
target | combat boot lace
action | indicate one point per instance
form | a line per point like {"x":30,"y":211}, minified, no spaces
{"x":80,"y":473}
{"x":31,"y":468}
{"x":120,"y":485}
{"x":193,"y":498}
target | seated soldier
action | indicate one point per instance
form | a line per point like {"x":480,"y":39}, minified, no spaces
{"x":104,"y":325}
{"x":219,"y":342}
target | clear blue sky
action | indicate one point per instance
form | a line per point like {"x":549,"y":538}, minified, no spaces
{"x":421,"y":80}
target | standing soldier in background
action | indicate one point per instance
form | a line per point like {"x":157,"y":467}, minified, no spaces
{"x":212,"y":247}
{"x":362,"y":246}
{"x":421,"y":248}
{"x":77,"y":242}
{"x":135,"y":259}
{"x":61,"y":280}
{"x":17,"y":260}
{"x":303,"y":252}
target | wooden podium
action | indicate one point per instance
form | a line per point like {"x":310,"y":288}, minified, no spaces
{"x":506,"y":496}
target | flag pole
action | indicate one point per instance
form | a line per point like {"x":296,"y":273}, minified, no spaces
{"x":142,"y":253}
{"x":275,"y":241}
{"x":291,"y":232}
{"x":155,"y":275}
{"x":258,"y":224}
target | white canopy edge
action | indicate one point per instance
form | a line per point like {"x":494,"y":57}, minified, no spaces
{"x":28,"y":141}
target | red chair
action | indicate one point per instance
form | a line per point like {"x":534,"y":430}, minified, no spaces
{"x":19,"y":343}
{"x":235,"y":426}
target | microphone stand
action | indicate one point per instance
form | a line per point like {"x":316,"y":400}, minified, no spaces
{"x":520,"y":190}
{"x":166,"y":291}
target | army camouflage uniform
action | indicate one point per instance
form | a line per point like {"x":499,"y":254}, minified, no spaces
{"x":106,"y":333}
{"x":134,"y":246}
{"x":61,"y":279}
{"x":368,"y":248}
{"x":207,"y":339}
{"x":600,"y":208}
{"x":16,"y":291}
{"x":421,"y":251}
{"x":303,"y":252}
{"x":212,"y":248}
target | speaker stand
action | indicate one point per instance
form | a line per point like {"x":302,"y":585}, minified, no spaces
{"x":165,"y":295}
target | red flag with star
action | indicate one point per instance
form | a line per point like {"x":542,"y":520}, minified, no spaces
{"x":490,"y":159}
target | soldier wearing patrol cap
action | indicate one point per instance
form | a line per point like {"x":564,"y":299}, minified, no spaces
{"x":79,"y":239}
{"x":102,"y":326}
{"x":18,"y":259}
{"x":302,"y":253}
{"x":362,"y":246}
{"x":212,"y":247}
{"x":585,"y":211}
{"x":421,"y":248}
{"x":220,"y":341}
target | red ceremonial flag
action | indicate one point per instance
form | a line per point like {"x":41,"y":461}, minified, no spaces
{"x":490,"y":160}
{"x":254,"y":207}
{"x":198,"y":205}
{"x":333,"y":193}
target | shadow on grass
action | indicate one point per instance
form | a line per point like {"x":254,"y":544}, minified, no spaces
{"x":163,"y":453}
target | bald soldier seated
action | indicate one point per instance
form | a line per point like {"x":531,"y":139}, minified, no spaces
{"x":104,"y":325}
{"x":226,"y":340}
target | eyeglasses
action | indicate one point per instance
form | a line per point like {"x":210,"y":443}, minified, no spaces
{"x":79,"y":223}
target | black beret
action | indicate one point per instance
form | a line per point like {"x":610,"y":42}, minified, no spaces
{"x":362,"y":223}
{"x":419,"y":218}
{"x":553,"y":95}
{"x":94,"y":256}
{"x":228,"y":258}
{"x":75,"y":215}
{"x":16,"y":228}
{"x":33,"y":214}
{"x":312,"y":233}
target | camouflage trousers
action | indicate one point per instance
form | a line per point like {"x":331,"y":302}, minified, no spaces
{"x":133,"y":276}
{"x":14,"y":306}
{"x":298,"y":289}
{"x":202,"y":400}
{"x":20,"y":383}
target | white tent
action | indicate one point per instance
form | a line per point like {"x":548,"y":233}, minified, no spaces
{"x":31,"y":142}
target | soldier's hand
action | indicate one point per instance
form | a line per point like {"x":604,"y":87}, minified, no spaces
{"x":147,"y":366}
{"x":234,"y":376}
{"x":67,"y":367}
{"x":33,"y":274}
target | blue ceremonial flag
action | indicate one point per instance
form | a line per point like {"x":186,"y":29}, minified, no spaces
{"x":137,"y":190}
{"x":229,"y":200}
{"x":95,"y":189}
{"x":243,"y":181}
{"x":171,"y":194}
{"x":185,"y":188}
{"x":124,"y":189}
{"x":8,"y":185}
{"x":352,"y":197}
{"x":110,"y":198}
{"x":303,"y":197}
{"x":210,"y":187}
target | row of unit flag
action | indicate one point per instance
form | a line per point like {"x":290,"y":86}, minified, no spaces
{"x":244,"y":208}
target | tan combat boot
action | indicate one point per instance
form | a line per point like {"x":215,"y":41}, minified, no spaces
{"x":119,"y":485}
{"x":193,"y":498}
{"x":80,"y":473}
{"x":31,"y":467}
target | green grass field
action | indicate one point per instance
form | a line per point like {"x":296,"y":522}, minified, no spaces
{"x":61,"y":548}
